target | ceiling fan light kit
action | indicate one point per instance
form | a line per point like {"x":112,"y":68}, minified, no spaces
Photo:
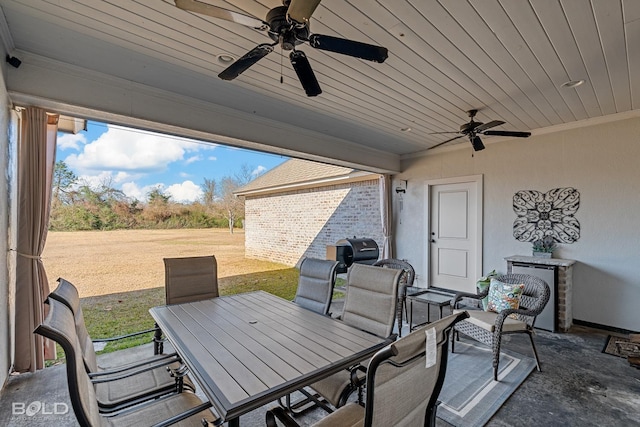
{"x":287,"y":26}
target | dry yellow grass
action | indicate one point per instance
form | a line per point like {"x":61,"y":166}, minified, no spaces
{"x":107,"y":262}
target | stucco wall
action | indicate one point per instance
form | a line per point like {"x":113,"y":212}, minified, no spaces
{"x":600,"y":161}
{"x":287,"y":226}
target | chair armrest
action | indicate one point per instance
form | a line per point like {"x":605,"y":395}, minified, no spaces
{"x":188,"y":413}
{"x":502,"y":316}
{"x":112,"y":376}
{"x":125,"y":336}
{"x":356,"y":380}
{"x":163,"y":359}
{"x":460,"y":295}
{"x":281,"y":415}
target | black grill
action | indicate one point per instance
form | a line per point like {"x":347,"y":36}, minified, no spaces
{"x":348,"y":251}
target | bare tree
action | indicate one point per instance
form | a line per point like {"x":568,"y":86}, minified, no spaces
{"x":230,"y":204}
{"x":209,"y":193}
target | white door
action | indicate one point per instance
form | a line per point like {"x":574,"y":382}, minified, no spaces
{"x":455,"y":233}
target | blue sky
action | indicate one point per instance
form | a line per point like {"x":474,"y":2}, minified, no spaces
{"x":137,"y":161}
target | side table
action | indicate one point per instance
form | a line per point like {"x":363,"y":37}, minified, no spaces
{"x":430,"y":298}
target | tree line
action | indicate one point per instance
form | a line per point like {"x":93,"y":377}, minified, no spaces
{"x":77,"y":205}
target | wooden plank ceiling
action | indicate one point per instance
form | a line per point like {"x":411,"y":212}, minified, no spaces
{"x":507,"y":58}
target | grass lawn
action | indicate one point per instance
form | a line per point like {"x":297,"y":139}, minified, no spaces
{"x":120,"y":274}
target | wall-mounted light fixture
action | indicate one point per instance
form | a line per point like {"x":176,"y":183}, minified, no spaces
{"x":402,"y":187}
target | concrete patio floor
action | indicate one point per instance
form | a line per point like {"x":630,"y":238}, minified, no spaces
{"x":578,"y":386}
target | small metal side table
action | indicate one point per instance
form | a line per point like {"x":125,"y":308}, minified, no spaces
{"x":430,"y":298}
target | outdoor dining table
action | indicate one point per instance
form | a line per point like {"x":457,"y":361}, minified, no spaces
{"x":247,"y":350}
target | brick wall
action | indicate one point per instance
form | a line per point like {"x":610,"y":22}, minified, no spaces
{"x":287,"y":226}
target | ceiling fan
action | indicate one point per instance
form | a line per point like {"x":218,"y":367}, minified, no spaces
{"x":287,"y":26}
{"x":472,"y":129}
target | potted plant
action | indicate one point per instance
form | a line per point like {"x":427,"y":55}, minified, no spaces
{"x":544,"y":247}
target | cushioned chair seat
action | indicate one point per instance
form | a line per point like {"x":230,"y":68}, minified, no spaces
{"x":487,"y":320}
{"x":351,"y":415}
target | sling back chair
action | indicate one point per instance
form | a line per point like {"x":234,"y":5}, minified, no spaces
{"x":121,"y":386}
{"x":315,"y":285}
{"x":404,"y":380}
{"x":406,"y":281}
{"x":188,"y":279}
{"x":488,"y":327}
{"x":369,"y":304}
{"x":185,"y":409}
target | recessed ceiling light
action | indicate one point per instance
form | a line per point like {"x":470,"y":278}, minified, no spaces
{"x":572,"y":83}
{"x":225,"y":59}
{"x":407,"y":129}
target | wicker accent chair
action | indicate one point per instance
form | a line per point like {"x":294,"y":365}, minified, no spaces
{"x":315,"y":285}
{"x":489,"y":327}
{"x":401,"y":391}
{"x":190,"y":279}
{"x":121,"y":386}
{"x":406,"y":281}
{"x":184,"y":408}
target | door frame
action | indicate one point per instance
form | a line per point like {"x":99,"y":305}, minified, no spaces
{"x":479,"y":183}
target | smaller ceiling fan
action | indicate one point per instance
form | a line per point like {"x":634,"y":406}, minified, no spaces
{"x":472,"y":129}
{"x":287,"y":26}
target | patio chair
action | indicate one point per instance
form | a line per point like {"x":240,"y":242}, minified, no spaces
{"x":406,"y":281}
{"x":369,"y":304}
{"x":59,"y":325}
{"x":124,"y":385}
{"x":190,"y":279}
{"x":315,"y":285}
{"x":488,"y":327}
{"x":404,"y":380}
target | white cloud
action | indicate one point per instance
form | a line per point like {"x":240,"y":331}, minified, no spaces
{"x":68,"y":140}
{"x":258,"y":171}
{"x":109,"y":178}
{"x":131,"y":190}
{"x":212,"y":158}
{"x":186,"y":192}
{"x":121,"y":149}
{"x":193,"y":159}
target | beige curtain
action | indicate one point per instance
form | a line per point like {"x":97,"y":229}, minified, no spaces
{"x":36,"y":159}
{"x":385,"y":216}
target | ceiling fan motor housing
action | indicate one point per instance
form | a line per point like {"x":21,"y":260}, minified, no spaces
{"x":283,"y":31}
{"x":468,"y":127}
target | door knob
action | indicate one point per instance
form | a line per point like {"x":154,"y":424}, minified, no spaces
{"x":433,"y":241}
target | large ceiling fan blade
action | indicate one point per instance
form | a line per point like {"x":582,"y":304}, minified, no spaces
{"x":444,"y":142}
{"x":507,"y":133}
{"x":242,"y":64}
{"x":218,"y":12}
{"x":491,"y":124}
{"x":301,"y":65}
{"x":301,"y":10}
{"x":349,"y":47}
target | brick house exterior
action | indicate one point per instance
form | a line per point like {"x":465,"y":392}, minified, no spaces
{"x":298,"y":208}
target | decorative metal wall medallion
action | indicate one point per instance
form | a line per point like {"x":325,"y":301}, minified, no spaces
{"x":546,"y":214}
